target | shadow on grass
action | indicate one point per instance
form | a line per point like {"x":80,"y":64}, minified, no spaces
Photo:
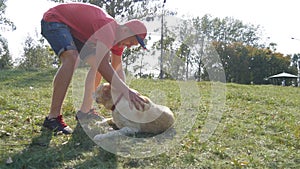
{"x":78,"y":152}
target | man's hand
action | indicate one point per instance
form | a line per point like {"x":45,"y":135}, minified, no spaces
{"x":136,"y":99}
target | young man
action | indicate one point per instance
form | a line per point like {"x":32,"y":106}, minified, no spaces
{"x":78,"y":29}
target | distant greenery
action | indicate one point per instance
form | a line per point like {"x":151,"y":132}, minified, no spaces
{"x":185,"y":47}
{"x":260,"y":128}
{"x":5,"y":23}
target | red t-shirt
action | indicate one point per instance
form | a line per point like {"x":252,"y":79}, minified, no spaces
{"x":86,"y":22}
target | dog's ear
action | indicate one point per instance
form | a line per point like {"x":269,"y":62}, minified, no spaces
{"x":106,"y":86}
{"x":106,"y":92}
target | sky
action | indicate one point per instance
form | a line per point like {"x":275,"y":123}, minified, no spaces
{"x":278,"y":19}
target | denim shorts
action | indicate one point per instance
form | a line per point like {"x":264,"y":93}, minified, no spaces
{"x":60,"y":39}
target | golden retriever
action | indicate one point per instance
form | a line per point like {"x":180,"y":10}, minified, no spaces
{"x":155,"y":118}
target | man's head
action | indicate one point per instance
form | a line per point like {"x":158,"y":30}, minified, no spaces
{"x":137,"y":32}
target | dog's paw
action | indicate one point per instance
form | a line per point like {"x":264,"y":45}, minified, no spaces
{"x":98,"y":137}
{"x":100,"y":123}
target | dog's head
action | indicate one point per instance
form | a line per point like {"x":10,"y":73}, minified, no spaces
{"x":103,"y":96}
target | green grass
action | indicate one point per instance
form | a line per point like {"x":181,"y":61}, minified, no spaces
{"x":259,"y":128}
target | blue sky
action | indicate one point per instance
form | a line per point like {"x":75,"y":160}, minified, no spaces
{"x":277,"y":18}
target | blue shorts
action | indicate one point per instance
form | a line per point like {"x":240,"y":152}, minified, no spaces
{"x":60,"y":39}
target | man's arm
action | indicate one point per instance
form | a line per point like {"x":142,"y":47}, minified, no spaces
{"x":112,"y":77}
{"x":116,"y":62}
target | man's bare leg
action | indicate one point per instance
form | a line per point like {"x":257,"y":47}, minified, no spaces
{"x":97,"y":80}
{"x":92,"y":81}
{"x":62,"y":81}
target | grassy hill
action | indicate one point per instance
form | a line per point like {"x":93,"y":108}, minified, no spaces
{"x":259,"y":127}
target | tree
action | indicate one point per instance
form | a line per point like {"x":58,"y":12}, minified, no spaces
{"x":140,"y":67}
{"x":200,"y":33}
{"x":5,"y":23}
{"x":125,"y":9}
{"x":36,"y":55}
{"x":5,"y":57}
{"x":183,"y":53}
{"x":294,"y":60}
{"x":187,"y":39}
{"x":130,"y":56}
{"x":248,"y":64}
{"x":173,"y":64}
{"x":229,"y":30}
{"x":230,"y":38}
{"x":201,"y":36}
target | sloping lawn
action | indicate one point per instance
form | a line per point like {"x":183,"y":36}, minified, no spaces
{"x":259,"y":127}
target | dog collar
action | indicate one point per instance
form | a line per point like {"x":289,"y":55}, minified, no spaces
{"x":117,"y":101}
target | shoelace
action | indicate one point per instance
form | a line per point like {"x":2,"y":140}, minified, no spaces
{"x":61,"y":121}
